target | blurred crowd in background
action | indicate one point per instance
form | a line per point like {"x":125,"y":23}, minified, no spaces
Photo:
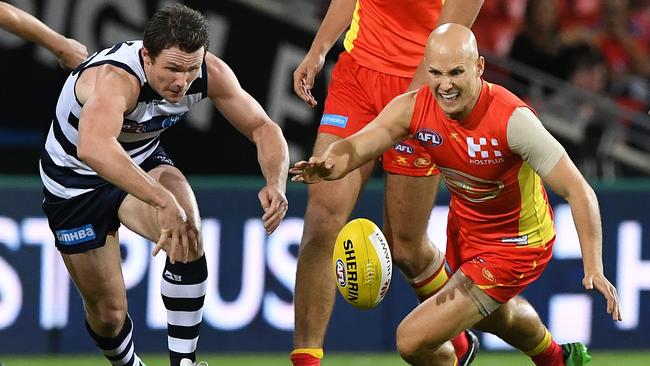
{"x":598,"y":45}
{"x":594,"y":46}
{"x":584,"y":65}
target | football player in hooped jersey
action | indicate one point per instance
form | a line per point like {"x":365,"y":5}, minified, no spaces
{"x":102,"y":165}
{"x":384,"y":47}
{"x":494,"y":154}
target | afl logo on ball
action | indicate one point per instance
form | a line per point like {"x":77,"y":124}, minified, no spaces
{"x":341,"y":275}
{"x":428,"y":137}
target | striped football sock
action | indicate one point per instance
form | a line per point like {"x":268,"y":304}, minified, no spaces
{"x":430,"y":280}
{"x":118,"y":350}
{"x":183,"y":288}
{"x":547,"y":352}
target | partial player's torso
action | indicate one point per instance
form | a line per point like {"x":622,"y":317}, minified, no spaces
{"x":389,"y":35}
{"x":473,"y":153}
{"x":147,"y":114}
{"x":496,"y":196}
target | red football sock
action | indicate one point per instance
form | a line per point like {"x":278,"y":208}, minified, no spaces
{"x":547,"y":352}
{"x":552,"y":356}
{"x":306,"y":357}
{"x":461,"y":344}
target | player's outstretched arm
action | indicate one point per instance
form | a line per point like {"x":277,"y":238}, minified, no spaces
{"x":246,"y":114}
{"x":312,"y":171}
{"x":337,"y":19}
{"x":69,"y":52}
{"x":346,"y":155}
{"x":565,"y":180}
{"x":463,"y":12}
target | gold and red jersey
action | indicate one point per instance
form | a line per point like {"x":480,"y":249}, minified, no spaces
{"x":496,"y":197}
{"x":389,"y":35}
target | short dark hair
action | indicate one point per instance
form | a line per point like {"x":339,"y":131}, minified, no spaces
{"x":176,"y":25}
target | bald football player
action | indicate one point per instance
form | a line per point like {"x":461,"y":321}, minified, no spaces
{"x":495,"y":156}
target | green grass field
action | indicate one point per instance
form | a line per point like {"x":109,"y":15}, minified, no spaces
{"x":332,"y":359}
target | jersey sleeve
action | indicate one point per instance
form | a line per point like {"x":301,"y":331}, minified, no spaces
{"x":528,"y":138}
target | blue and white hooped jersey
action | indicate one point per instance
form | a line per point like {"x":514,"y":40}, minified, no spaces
{"x":62,"y":173}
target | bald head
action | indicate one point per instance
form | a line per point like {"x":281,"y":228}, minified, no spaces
{"x":454,"y":69}
{"x":452,"y":39}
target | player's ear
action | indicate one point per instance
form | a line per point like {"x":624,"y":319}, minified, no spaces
{"x":480,"y":66}
{"x":146,"y":56}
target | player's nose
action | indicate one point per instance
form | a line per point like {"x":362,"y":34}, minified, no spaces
{"x":445,"y":84}
{"x":181,"y":80}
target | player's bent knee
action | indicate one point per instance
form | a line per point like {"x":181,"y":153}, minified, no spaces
{"x":403,"y":237}
{"x":405,"y":258}
{"x":324,"y":209}
{"x":516,"y":311}
{"x":522,"y":309}
{"x":107,"y":318}
{"x":521,"y":312}
{"x":409,"y":342}
{"x":412,"y":257}
{"x":414,"y":349}
{"x":323,"y":222}
{"x":404,"y":343}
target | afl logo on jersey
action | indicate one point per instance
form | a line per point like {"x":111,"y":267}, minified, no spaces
{"x":403,"y":148}
{"x":428,"y":137}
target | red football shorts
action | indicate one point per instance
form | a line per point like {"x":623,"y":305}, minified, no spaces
{"x":501,"y":270}
{"x":355,"y":96}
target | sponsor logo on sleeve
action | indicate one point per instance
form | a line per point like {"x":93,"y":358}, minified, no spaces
{"x":76,"y":235}
{"x":334,"y":120}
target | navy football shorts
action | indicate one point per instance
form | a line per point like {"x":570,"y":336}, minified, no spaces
{"x":82,"y":223}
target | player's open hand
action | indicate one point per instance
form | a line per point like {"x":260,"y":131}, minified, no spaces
{"x":174,"y":232}
{"x":602,"y":284}
{"x":312,"y":171}
{"x":304,"y":75}
{"x":71,"y":54}
{"x":275,"y":205}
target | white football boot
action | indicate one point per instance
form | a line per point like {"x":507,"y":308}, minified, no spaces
{"x":188,"y":362}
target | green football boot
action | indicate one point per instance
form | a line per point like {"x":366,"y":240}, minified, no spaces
{"x":575,"y":354}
